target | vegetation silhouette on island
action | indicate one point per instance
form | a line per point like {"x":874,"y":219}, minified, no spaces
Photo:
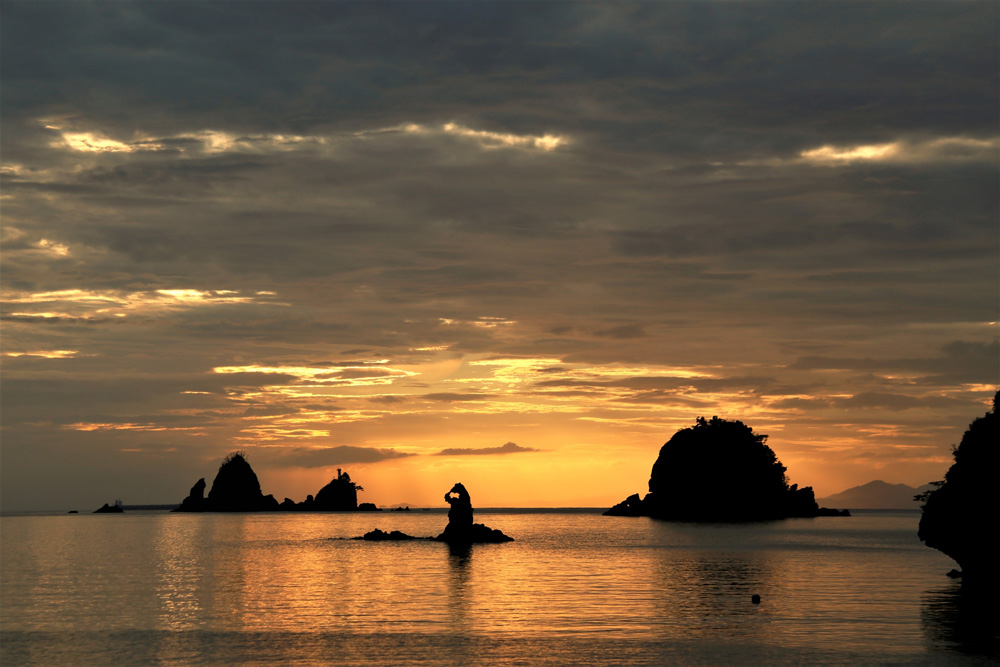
{"x":237,"y":489}
{"x":747,"y":481}
{"x":960,"y":515}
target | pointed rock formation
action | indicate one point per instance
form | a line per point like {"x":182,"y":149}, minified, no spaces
{"x":460,"y":529}
{"x":195,"y":501}
{"x":235,"y":489}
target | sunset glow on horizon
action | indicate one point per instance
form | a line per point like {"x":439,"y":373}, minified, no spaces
{"x":517,"y":250}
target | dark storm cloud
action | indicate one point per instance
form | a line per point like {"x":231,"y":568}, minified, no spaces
{"x":853,"y":68}
{"x":508,"y":448}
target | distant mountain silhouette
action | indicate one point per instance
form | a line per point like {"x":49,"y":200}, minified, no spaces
{"x":237,"y":489}
{"x":720,"y":470}
{"x":877,"y":495}
{"x":960,"y":515}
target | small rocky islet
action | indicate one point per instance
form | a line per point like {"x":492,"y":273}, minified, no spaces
{"x":460,"y":531}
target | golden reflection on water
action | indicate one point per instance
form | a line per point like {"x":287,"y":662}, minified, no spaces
{"x":180,"y":573}
{"x":827,"y":586}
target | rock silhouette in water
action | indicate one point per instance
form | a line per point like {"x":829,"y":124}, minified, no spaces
{"x":460,"y":529}
{"x":460,"y":514}
{"x":720,"y":470}
{"x":110,"y":509}
{"x":341,"y":494}
{"x":195,"y":502}
{"x":378,"y":535}
{"x":959,"y":516}
{"x":237,"y":489}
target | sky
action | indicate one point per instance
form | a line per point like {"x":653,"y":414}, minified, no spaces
{"x":515,"y":245}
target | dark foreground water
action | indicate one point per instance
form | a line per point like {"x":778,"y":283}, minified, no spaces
{"x":575,"y":588}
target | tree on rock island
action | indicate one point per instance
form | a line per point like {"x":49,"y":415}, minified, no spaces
{"x":719,"y":470}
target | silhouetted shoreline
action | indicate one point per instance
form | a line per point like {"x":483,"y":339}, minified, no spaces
{"x":953,"y":511}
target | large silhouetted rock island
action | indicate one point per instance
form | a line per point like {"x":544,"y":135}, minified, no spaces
{"x":237,"y":489}
{"x":960,"y":516}
{"x":720,"y":471}
{"x":460,"y":531}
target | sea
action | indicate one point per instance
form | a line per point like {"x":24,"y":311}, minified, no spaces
{"x":574,"y":588}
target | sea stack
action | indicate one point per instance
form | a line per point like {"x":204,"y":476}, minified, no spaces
{"x":460,"y":529}
{"x":959,"y":516}
{"x":720,"y":471}
{"x":235,"y":489}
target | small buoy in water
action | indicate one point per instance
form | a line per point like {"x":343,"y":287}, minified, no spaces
{"x":755,"y":598}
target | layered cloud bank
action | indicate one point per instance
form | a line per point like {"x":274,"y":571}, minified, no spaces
{"x":398,"y":236}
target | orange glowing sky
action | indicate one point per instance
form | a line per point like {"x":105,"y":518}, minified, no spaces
{"x":517,"y":249}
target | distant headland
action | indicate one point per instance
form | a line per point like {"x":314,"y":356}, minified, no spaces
{"x":720,"y":471}
{"x":237,"y":489}
{"x":960,"y":514}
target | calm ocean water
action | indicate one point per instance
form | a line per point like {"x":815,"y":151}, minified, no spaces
{"x":575,"y":588}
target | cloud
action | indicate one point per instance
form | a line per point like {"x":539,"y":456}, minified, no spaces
{"x":622,"y":331}
{"x":443,"y":219}
{"x":321,"y":457}
{"x":871,"y":401}
{"x":508,"y":448}
{"x":450,"y":397}
{"x":958,"y":361}
{"x":906,"y":152}
{"x":387,"y":400}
